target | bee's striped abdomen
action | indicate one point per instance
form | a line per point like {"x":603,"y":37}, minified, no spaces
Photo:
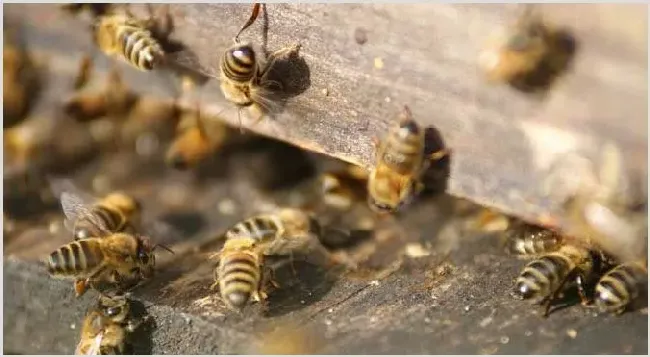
{"x":260,"y":228}
{"x":139,"y":47}
{"x":620,"y":286}
{"x":534,"y":241}
{"x":542,"y":276}
{"x":404,"y":147}
{"x":239,"y":277}
{"x":74,"y":258}
{"x":238,"y":63}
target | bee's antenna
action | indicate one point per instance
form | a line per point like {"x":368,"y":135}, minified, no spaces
{"x":163,"y":247}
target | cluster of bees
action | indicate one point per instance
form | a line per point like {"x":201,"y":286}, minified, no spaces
{"x":110,"y":254}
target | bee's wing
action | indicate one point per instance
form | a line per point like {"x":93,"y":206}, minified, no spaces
{"x":76,"y":207}
{"x":92,"y":348}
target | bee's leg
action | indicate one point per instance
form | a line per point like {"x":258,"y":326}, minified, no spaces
{"x":275,"y":55}
{"x":80,"y":287}
{"x":438,"y":155}
{"x":585,"y":299}
{"x":551,"y":298}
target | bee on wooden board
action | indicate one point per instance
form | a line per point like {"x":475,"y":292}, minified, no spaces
{"x":544,"y":278}
{"x":244,"y":77}
{"x":137,"y":42}
{"x":106,"y":327}
{"x":118,"y":259}
{"x":400,"y":163}
{"x":528,"y":54}
{"x":239,"y":274}
{"x":621,"y":286}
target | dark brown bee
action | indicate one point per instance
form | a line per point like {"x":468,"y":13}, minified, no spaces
{"x":621,"y":286}
{"x":527,"y":55}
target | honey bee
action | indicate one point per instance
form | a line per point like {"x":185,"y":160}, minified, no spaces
{"x":105,"y":327}
{"x":115,"y":100}
{"x":118,"y":258}
{"x":526,"y":52}
{"x":340,"y":189}
{"x":21,"y":81}
{"x":529,"y":241}
{"x":396,"y":178}
{"x":88,"y":217}
{"x":544,"y":278}
{"x":132,"y":40}
{"x":244,"y":80}
{"x":239,"y":274}
{"x":621,"y":286}
{"x":605,"y":213}
{"x":192,"y":143}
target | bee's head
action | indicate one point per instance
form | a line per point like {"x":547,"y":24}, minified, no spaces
{"x":114,"y":307}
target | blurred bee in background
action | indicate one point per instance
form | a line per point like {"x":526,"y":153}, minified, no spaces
{"x":193,"y":143}
{"x":21,"y":81}
{"x":106,"y":327}
{"x":527,"y":240}
{"x":528,"y":54}
{"x":115,"y":100}
{"x":544,"y":278}
{"x":239,"y":274}
{"x":606,"y":211}
{"x":401,"y":160}
{"x":137,"y":42}
{"x":340,"y":189}
{"x":622,"y":286}
{"x":194,"y":140}
{"x":244,"y":77}
{"x":96,"y":9}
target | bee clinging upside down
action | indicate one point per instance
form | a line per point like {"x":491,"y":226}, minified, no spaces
{"x":621,"y":286}
{"x":106,"y":326}
{"x":138,"y":42}
{"x":527,"y":54}
{"x":401,"y":161}
{"x":544,"y":278}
